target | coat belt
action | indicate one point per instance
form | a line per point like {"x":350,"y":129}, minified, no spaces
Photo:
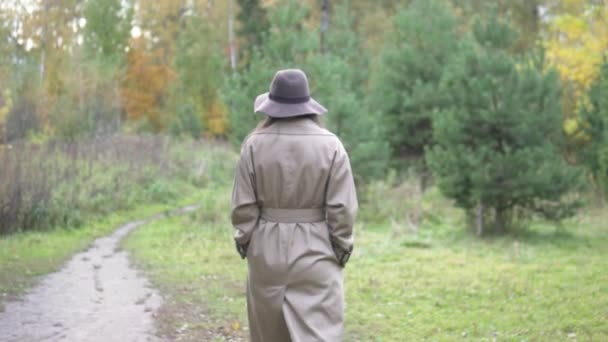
{"x":293,"y":215}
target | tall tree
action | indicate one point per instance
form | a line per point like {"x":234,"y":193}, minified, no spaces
{"x":50,"y":31}
{"x":100,"y":62}
{"x":594,"y":123}
{"x":103,"y":38}
{"x":498,"y":145}
{"x":324,"y":27}
{"x":26,"y":91}
{"x":146,"y":85}
{"x":150,"y":74}
{"x":253,"y":26}
{"x":195,"y":100}
{"x":576,"y":44}
{"x":407,"y":87}
{"x":161,"y":22}
{"x":523,"y":15}
{"x":288,"y":45}
{"x":7,"y":47}
{"x":373,"y":20}
{"x":52,"y":27}
{"x":340,"y":78}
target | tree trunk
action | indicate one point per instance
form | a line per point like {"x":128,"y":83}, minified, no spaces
{"x":324,"y":25}
{"x":536,"y":19}
{"x":425,"y":179}
{"x":480,"y":218}
{"x":416,"y":218}
{"x":231,"y":36}
{"x":601,"y":189}
{"x":42,"y":69}
{"x":117,"y":108}
{"x":500,"y":220}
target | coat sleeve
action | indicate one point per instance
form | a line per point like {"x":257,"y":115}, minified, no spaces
{"x":341,"y":200}
{"x":244,"y":211}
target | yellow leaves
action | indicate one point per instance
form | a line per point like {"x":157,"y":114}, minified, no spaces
{"x":578,"y":62}
{"x":6,"y":104}
{"x":162,"y":20}
{"x":573,"y":27}
{"x":573,"y":6}
{"x":145,"y":86}
{"x":216,"y":119}
{"x":236,"y":326}
{"x":576,"y":46}
{"x":573,"y":127}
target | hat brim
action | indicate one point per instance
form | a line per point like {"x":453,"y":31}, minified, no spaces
{"x":263,"y":104}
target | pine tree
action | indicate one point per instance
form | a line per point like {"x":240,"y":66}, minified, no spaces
{"x":338,"y":80}
{"x":498,"y":145}
{"x":595,"y":129}
{"x":288,"y":46}
{"x":253,"y":27}
{"x":340,"y":77}
{"x":406,"y":91}
{"x":525,"y":16}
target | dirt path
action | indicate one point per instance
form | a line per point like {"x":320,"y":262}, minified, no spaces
{"x":96,"y":296}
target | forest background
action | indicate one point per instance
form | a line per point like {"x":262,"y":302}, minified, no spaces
{"x":462,"y":118}
{"x":391,"y":73}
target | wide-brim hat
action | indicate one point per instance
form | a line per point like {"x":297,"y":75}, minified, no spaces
{"x":289,"y":96}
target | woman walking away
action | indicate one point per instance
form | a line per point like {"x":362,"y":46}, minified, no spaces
{"x":293,"y":208}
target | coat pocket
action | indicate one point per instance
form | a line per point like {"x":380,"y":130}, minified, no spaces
{"x":325,"y":240}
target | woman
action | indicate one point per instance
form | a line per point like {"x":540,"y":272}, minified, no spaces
{"x":293,"y":208}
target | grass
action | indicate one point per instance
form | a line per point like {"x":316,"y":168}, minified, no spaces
{"x":441,"y":284}
{"x":191,"y":260}
{"x":26,"y":256}
{"x":501,"y":288}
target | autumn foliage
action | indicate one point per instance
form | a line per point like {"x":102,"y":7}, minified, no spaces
{"x":72,"y":68}
{"x":144,"y":90}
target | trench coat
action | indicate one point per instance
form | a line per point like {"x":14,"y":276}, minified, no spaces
{"x":293,"y":207}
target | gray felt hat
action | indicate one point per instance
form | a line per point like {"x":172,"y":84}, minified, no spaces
{"x":289,"y":96}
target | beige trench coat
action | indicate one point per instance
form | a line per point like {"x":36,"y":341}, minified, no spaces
{"x":293,"y":197}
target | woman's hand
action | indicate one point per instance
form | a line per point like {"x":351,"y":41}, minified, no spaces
{"x":242,"y":249}
{"x":341,"y":254}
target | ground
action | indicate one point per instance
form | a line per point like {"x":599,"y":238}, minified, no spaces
{"x":96,"y":296}
{"x":542,"y":283}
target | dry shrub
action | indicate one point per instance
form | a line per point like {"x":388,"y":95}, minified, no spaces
{"x":61,"y":184}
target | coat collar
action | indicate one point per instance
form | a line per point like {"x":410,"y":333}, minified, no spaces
{"x":296,"y":125}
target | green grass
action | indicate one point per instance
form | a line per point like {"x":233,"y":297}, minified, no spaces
{"x":512,"y":289}
{"x":191,"y":259}
{"x":26,"y":256}
{"x":441,"y":284}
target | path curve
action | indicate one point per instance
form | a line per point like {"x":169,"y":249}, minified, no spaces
{"x":96,"y":296}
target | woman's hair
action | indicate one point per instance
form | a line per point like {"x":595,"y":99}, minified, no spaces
{"x":268,"y":121}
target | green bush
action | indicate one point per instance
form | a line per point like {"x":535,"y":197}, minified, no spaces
{"x":594,"y":154}
{"x":498,"y":145}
